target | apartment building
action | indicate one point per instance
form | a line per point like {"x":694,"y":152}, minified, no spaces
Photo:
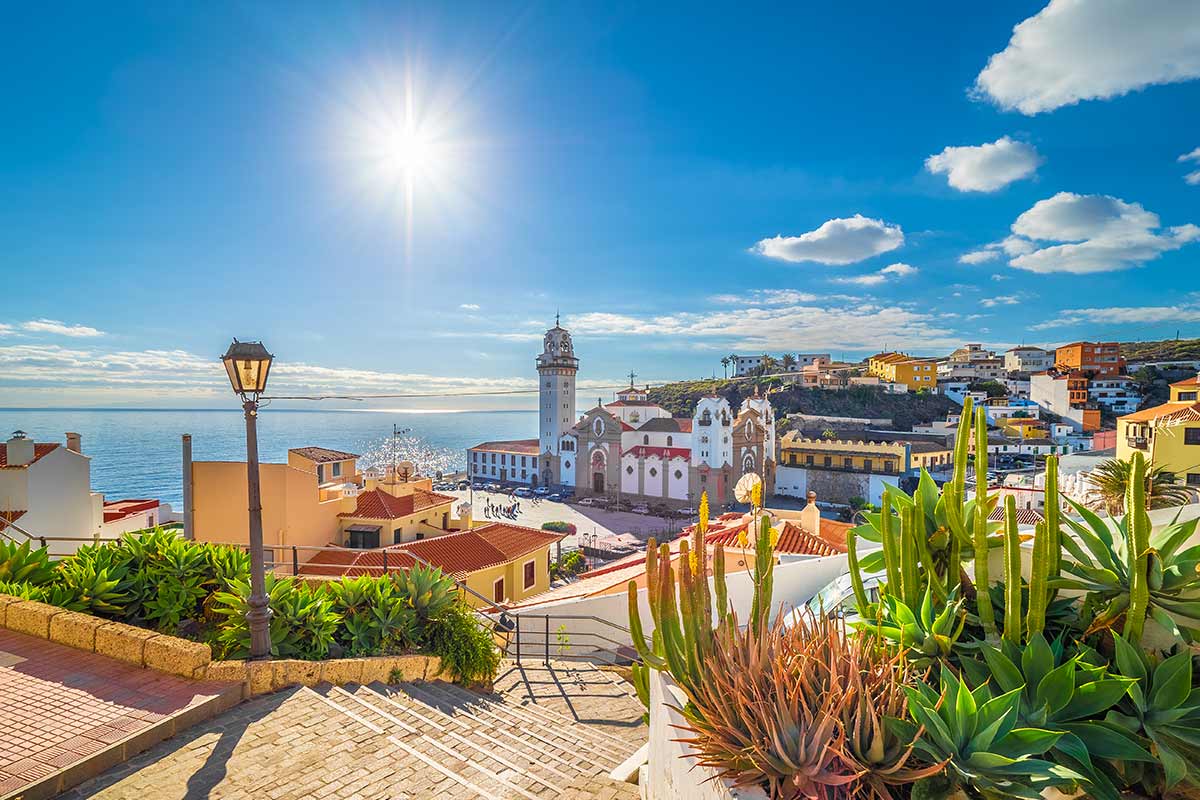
{"x":1028,"y":359}
{"x":1066,"y":394}
{"x":1093,"y":359}
{"x":745,"y":365}
{"x":903,"y":369}
{"x":1117,"y":392}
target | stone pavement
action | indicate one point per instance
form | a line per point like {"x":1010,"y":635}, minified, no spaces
{"x":423,"y":740}
{"x":63,"y":709}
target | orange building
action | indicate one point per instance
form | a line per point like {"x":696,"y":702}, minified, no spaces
{"x":1091,"y":358}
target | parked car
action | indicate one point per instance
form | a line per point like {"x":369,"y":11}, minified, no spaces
{"x":493,"y":487}
{"x":554,"y":498}
{"x":542,"y":491}
{"x":523,"y":491}
{"x":588,"y":501}
{"x":687,"y":512}
{"x":464,"y":485}
{"x":640,"y":508}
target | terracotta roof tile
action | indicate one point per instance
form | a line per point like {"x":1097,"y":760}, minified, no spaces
{"x":523,"y":446}
{"x":321,"y":455}
{"x":1167,"y":412}
{"x":378,"y":504}
{"x":645,"y":451}
{"x":9,"y":516}
{"x":456,"y":554}
{"x":1192,"y":381}
{"x":1025,"y":516}
{"x":40,"y":450}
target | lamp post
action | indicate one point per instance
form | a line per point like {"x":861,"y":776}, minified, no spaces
{"x":248,"y":364}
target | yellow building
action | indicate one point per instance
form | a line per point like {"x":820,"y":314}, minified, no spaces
{"x":1022,"y":428}
{"x":317,"y":498}
{"x":500,"y":562}
{"x":1185,"y":391}
{"x":865,"y":451}
{"x":914,"y":373}
{"x":1168,"y":434}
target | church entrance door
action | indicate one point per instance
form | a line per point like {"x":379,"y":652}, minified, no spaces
{"x":533,"y":480}
{"x":598,"y":482}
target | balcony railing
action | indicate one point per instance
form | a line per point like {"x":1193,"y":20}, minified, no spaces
{"x":1137,"y":442}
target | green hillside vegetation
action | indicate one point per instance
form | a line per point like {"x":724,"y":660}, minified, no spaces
{"x":1165,"y":350}
{"x":905,"y":410}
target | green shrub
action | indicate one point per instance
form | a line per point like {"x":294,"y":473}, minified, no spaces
{"x":467,"y":651}
{"x":376,"y":617}
{"x":571,"y":563}
{"x":303,"y":622}
{"x":559,"y":526}
{"x":427,"y":590}
{"x":20,"y":564}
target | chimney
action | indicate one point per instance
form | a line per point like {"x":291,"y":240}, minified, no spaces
{"x":73,"y":442}
{"x":19,"y":449}
{"x":810,"y":515}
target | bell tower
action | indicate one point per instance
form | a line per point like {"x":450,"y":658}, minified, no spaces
{"x":556,"y":368}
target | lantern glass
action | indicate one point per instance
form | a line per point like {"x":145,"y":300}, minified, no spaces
{"x":248,"y":365}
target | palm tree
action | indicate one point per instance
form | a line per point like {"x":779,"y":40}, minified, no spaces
{"x":1110,"y":481}
{"x":733,"y":362}
{"x":789,"y":362}
{"x":725,"y":365}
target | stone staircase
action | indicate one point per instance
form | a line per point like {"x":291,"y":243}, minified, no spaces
{"x":492,"y":747}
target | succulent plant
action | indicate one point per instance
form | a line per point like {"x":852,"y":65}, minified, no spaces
{"x":21,"y":564}
{"x":976,"y":734}
{"x":427,"y":590}
{"x":925,"y":636}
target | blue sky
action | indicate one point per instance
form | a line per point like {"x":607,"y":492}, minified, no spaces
{"x":682,"y":184}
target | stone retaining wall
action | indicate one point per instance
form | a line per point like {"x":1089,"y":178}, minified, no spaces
{"x":189,"y":659}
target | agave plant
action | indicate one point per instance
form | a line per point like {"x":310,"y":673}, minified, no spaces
{"x":1162,"y":706}
{"x":976,"y":734}
{"x":1066,"y":695}
{"x":427,"y":590}
{"x":925,"y":636}
{"x":20,"y":564}
{"x":92,"y":587}
{"x":1102,"y":568}
{"x":302,"y":625}
{"x":47,"y":593}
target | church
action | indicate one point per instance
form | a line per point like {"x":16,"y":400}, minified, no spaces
{"x":630,"y":448}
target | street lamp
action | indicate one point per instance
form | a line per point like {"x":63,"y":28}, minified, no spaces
{"x":248,"y":364}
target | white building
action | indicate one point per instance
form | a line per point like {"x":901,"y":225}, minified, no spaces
{"x":745,"y":365}
{"x":1118,"y":392}
{"x":1028,"y":359}
{"x":45,"y":491}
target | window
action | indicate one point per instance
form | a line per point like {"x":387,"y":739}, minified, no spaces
{"x":888,"y":466}
{"x":669,"y":441}
{"x":398,"y":536}
{"x":337,"y":468}
{"x":646,"y":439}
{"x":498,"y":591}
{"x":678,"y":474}
{"x":1187,"y":396}
{"x":653,"y":472}
{"x":629,"y":470}
{"x":1191,"y":436}
{"x":1193,"y":479}
{"x":867,"y":465}
{"x":529,"y":575}
{"x":808,"y":460}
{"x":848,"y":462}
{"x":320,"y":473}
{"x":828,"y":461}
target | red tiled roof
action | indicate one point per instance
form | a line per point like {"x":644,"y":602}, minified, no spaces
{"x":628,"y":403}
{"x":321,"y":455}
{"x":792,"y":540}
{"x":120,"y":509}
{"x":378,"y":504}
{"x":1192,"y":381}
{"x":9,"y":516}
{"x":685,"y":424}
{"x":522,"y":446}
{"x":457,"y":554}
{"x":40,"y":449}
{"x":1167,"y":412}
{"x":645,"y":451}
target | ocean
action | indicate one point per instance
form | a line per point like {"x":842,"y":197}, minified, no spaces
{"x":137,"y":452}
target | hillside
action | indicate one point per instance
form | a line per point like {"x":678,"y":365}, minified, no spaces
{"x":905,"y":410}
{"x":1165,"y":350}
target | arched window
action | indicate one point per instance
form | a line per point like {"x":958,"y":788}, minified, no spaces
{"x":669,"y":441}
{"x":646,"y":439}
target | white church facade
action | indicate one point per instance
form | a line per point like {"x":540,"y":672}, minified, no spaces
{"x":630,"y":447}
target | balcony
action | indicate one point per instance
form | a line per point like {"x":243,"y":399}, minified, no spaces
{"x":1137,"y":442}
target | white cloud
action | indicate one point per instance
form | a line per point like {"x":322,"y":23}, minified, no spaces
{"x":1123,"y":315}
{"x":469,"y":306}
{"x":1000,"y":300}
{"x":59,"y":328}
{"x":766,"y":297}
{"x":1073,"y":50}
{"x":985,"y":167}
{"x":999,"y":277}
{"x":837,"y":242}
{"x":1097,"y":233}
{"x":1010,"y":246}
{"x":5,"y":329}
{"x":1193,"y":178}
{"x":895,"y":271}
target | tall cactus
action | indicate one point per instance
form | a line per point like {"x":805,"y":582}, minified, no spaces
{"x":956,"y":495}
{"x":1053,"y":520}
{"x":1012,"y":572}
{"x":1137,"y":546}
{"x":856,"y":581}
{"x":983,"y":600}
{"x":890,"y":545}
{"x":910,"y":576}
{"x":1039,"y":568}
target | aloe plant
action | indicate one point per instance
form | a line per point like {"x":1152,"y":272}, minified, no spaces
{"x":1163,"y":706}
{"x":976,"y":735}
{"x":428,"y":591}
{"x":1067,"y":695}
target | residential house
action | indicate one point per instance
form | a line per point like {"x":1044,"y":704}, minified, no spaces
{"x":971,"y":363}
{"x":1093,"y":359}
{"x":1185,"y":391}
{"x":1168,"y":435}
{"x":1066,"y":395}
{"x":319,"y":498}
{"x":500,"y":563}
{"x":913,"y":373}
{"x":45,"y":491}
{"x":1119,"y":393}
{"x":746,"y":365}
{"x":511,"y":461}
{"x":1027,"y":359}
